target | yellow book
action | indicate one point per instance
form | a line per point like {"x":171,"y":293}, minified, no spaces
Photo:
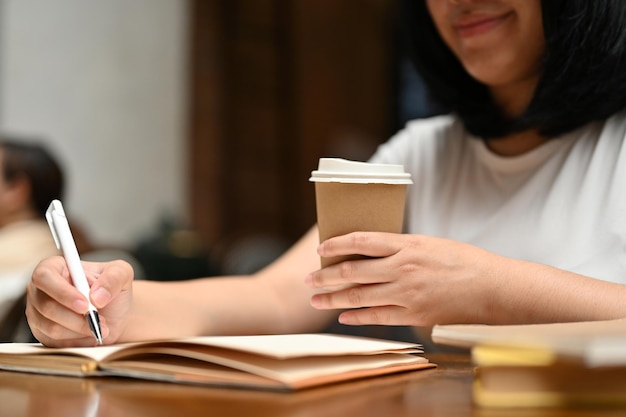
{"x":544,"y":365}
{"x":527,"y":377}
{"x":278,"y":362}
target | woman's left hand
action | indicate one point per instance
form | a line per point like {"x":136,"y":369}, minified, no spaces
{"x":407,"y":280}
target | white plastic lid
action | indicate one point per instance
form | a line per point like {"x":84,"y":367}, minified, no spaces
{"x":344,"y":171}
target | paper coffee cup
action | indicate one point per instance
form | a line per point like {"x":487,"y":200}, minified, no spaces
{"x":358,"y":196}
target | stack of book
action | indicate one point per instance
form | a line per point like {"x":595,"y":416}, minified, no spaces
{"x":544,"y":365}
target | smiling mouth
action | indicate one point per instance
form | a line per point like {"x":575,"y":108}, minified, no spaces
{"x":470,"y":27}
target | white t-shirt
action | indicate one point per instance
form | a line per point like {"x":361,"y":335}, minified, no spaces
{"x":562,"y":204}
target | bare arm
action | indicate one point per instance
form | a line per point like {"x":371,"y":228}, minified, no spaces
{"x":274,"y":300}
{"x":421,"y":281}
{"x":407,"y":280}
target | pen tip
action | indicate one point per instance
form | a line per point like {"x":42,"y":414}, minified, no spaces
{"x":94,"y":324}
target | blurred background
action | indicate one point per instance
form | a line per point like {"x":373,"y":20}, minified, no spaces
{"x":188,"y":128}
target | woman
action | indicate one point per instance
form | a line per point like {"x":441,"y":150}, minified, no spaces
{"x":516,"y":214}
{"x":29,"y":179}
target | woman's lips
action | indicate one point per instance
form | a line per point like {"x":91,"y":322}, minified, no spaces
{"x":468,"y":27}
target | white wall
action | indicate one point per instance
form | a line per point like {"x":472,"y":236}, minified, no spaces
{"x":105,"y":82}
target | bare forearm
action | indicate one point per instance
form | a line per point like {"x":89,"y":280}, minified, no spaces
{"x":532,"y":293}
{"x":235,"y":305}
{"x":275,"y":300}
{"x":205,"y":306}
{"x":422,"y":281}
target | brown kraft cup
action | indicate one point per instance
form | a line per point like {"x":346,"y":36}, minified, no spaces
{"x":358,"y":196}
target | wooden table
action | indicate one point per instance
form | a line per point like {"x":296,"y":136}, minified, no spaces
{"x":441,"y":392}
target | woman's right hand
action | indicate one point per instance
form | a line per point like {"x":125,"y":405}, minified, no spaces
{"x":55,"y":308}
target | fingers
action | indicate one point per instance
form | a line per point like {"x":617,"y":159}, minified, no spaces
{"x":360,"y":271}
{"x":365,"y":307}
{"x":372,"y":244}
{"x":357,"y":296}
{"x":40,"y":309}
{"x":379,"y":247}
{"x":51,"y":277}
{"x":387,"y":303}
{"x":55,"y":308}
{"x":384,"y":315}
{"x":115,"y":277}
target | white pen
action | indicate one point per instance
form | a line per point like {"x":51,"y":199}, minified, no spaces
{"x":63,"y":238}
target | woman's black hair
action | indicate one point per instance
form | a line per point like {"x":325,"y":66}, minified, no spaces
{"x":583,"y":79}
{"x":34,"y":162}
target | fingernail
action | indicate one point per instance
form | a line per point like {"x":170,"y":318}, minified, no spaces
{"x":308,"y":280}
{"x":344,"y":319}
{"x":315,"y":301}
{"x":100,"y":297}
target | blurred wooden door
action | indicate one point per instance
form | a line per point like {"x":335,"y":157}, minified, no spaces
{"x":275,"y":85}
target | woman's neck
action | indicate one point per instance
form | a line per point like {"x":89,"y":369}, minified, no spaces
{"x":515,"y":97}
{"x":516,"y":144}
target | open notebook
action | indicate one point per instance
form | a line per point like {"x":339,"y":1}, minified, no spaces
{"x":280,"y":362}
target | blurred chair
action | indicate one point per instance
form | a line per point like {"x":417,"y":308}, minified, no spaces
{"x":251,"y":253}
{"x":13,"y":325}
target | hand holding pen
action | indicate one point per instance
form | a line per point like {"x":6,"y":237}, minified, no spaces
{"x":60,"y":229}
